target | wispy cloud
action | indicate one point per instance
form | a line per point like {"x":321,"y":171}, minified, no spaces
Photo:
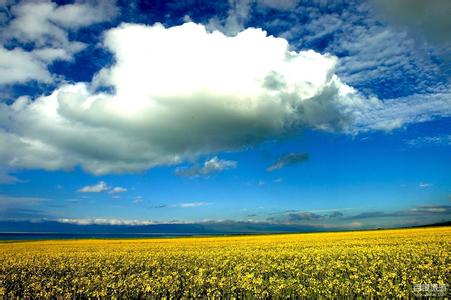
{"x":23,"y":213}
{"x":210,"y":166}
{"x":16,"y":207}
{"x":420,"y":214}
{"x":396,"y":113}
{"x":6,"y":201}
{"x":178,"y":205}
{"x":418,"y":211}
{"x":193,"y":204}
{"x":437,"y":140}
{"x":6,"y":178}
{"x":105,"y":221}
{"x":432,"y":209}
{"x":288,"y":160}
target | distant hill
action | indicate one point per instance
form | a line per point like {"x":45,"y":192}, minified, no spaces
{"x":448,"y":223}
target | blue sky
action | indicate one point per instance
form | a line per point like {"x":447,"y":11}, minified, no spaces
{"x":331,"y":114}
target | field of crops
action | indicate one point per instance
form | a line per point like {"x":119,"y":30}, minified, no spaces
{"x":386,"y":263}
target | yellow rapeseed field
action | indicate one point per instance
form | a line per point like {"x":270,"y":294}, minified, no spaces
{"x":384,"y":263}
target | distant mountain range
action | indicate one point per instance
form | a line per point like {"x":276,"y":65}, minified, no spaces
{"x":206,"y":228}
{"x":190,"y":229}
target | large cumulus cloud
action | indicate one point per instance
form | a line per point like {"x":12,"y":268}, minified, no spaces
{"x":177,"y":93}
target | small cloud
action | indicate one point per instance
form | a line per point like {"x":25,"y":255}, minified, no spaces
{"x":438,"y":140}
{"x":287,"y":160}
{"x":278,"y":180}
{"x":137,"y":200}
{"x":160,"y":206}
{"x":424,"y":185}
{"x":59,"y":187}
{"x":210,"y":166}
{"x":193,"y":204}
{"x":101,"y":186}
{"x":117,"y":190}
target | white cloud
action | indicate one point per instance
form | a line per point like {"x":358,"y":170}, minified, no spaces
{"x":395,"y":113}
{"x":219,"y":93}
{"x":424,"y":185}
{"x":375,"y":56}
{"x":117,"y":190}
{"x":210,"y":166}
{"x":101,"y":186}
{"x":193,"y":204}
{"x":19,"y":66}
{"x":106,"y":221}
{"x":46,"y":23}
{"x":44,"y":27}
{"x":434,"y":209}
{"x":430,"y":140}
